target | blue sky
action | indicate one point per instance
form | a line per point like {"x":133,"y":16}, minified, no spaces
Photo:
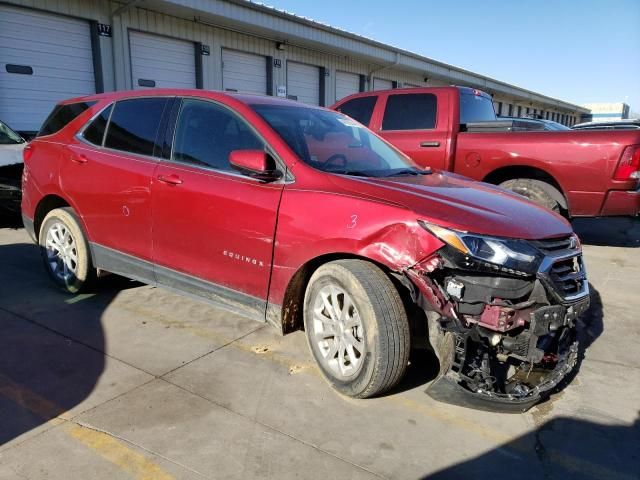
{"x":579,"y":51}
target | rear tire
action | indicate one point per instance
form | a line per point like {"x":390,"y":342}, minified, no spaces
{"x":356,"y":327}
{"x":65,"y":251}
{"x":534,"y":192}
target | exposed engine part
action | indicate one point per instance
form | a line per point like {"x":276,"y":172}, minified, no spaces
{"x":455,"y":288}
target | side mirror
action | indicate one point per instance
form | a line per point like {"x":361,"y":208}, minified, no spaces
{"x":255,"y":164}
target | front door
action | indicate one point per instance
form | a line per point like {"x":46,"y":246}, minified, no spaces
{"x":413,"y":123}
{"x":213,"y":228}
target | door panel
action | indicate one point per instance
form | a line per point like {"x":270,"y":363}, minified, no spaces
{"x":209,"y":221}
{"x":414,"y":123}
{"x":117,"y":209}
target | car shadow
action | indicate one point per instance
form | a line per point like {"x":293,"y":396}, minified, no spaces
{"x":560,"y":448}
{"x":608,"y":231}
{"x":43,"y":373}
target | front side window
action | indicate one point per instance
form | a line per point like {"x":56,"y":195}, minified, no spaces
{"x":94,"y":133}
{"x":61,"y":116}
{"x":360,"y":109}
{"x":8,"y":136}
{"x":206,"y":133}
{"x":413,"y":111}
{"x":332,"y":142}
{"x":134,"y":125}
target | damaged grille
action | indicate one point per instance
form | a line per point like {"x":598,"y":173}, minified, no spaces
{"x":563,"y":266}
{"x":568,"y":276}
{"x":555,"y":245}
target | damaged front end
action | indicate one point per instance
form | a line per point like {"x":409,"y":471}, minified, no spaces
{"x":502,"y":316}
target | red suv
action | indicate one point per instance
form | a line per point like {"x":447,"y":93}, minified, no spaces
{"x":301,"y":217}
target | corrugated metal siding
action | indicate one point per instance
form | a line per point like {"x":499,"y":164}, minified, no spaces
{"x":352,"y":55}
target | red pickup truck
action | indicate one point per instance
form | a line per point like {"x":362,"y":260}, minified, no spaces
{"x":577,"y":173}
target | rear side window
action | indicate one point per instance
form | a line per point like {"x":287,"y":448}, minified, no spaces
{"x":94,"y":133}
{"x":359,"y":109}
{"x":134,"y":125}
{"x":61,"y":116}
{"x":206,"y":133}
{"x":412,"y":111}
{"x":477,"y":108}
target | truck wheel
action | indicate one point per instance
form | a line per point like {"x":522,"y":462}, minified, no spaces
{"x":528,"y":188}
{"x":65,"y":251}
{"x":357,"y":327}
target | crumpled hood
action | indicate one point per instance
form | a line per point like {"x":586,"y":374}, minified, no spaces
{"x":457,"y":202}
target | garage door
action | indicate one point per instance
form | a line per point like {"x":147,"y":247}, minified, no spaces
{"x":346,"y":84}
{"x":161,"y":62}
{"x":44,"y":58}
{"x":244,"y":72}
{"x":380,"y":84}
{"x":303,"y":83}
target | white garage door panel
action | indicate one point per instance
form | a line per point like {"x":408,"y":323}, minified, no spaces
{"x":244,"y":72}
{"x":170,"y":63}
{"x":346,"y":84}
{"x":57,"y":48}
{"x":303,"y":82}
{"x":380,"y":84}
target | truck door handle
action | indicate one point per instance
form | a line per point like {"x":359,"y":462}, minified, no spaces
{"x":429,"y":144}
{"x":80,"y":158}
{"x":170,"y":179}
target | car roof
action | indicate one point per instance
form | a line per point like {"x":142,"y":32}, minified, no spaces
{"x":628,"y":121}
{"x":245,"y":98}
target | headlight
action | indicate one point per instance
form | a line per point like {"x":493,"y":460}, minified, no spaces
{"x":516,"y":257}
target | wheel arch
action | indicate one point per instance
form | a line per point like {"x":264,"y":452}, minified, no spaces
{"x":543,"y":178}
{"x":45,"y":205}
{"x":289,"y":318}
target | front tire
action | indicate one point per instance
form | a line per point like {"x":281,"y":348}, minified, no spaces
{"x":356,"y":327}
{"x":65,"y":251}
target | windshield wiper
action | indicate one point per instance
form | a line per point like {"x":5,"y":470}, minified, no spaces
{"x":355,"y":173}
{"x":409,"y":171}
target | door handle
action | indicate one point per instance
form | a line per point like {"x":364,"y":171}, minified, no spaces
{"x":429,"y":144}
{"x":80,"y":158}
{"x":170,"y":179}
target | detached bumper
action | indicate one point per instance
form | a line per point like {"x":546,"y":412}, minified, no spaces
{"x":447,"y":388}
{"x":621,"y":202}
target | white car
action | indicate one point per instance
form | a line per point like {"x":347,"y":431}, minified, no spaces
{"x":11,"y":147}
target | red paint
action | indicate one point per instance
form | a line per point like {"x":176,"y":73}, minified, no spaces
{"x":584,"y":164}
{"x":254,"y":236}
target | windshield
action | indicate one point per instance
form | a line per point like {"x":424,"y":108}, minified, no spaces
{"x":476,"y":108}
{"x":8,"y":136}
{"x":551,"y":125}
{"x":332,"y":142}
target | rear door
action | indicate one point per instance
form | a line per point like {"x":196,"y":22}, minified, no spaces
{"x":213,"y":228}
{"x":108,"y":173}
{"x":415,"y":124}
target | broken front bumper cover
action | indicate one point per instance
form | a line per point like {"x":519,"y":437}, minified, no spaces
{"x":447,"y":388}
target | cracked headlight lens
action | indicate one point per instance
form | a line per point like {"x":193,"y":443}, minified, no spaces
{"x":516,"y":257}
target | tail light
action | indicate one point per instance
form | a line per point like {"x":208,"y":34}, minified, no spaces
{"x":27,"y":152}
{"x":629,"y":164}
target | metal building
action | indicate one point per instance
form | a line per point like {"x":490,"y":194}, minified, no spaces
{"x":56,"y":49}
